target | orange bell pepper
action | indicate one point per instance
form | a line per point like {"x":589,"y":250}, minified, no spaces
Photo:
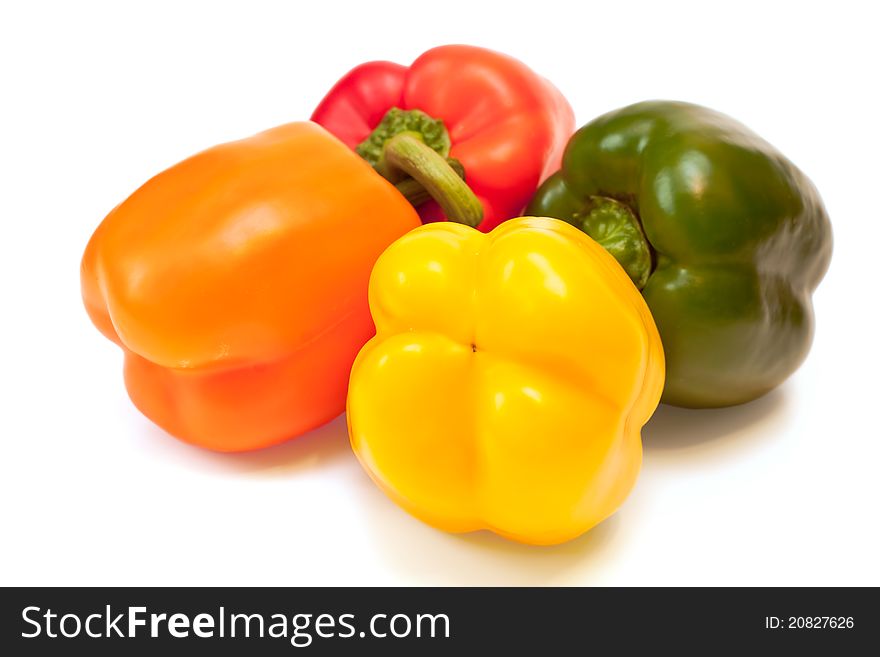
{"x":236,"y":284}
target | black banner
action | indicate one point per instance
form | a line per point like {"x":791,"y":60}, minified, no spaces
{"x":111,"y":621}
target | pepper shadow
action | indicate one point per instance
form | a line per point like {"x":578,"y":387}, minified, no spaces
{"x":428,"y":556}
{"x":324,"y":446}
{"x":673,"y":431}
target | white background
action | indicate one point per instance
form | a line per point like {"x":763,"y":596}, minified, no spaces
{"x":96,"y":98}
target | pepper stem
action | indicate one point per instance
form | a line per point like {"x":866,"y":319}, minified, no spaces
{"x":411,"y":150}
{"x":415,"y":193}
{"x":618,"y":230}
{"x":409,"y":155}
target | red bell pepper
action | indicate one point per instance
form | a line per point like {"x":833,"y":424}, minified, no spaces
{"x":504,"y":124}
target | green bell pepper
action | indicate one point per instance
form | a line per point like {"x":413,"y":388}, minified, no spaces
{"x":724,"y":236}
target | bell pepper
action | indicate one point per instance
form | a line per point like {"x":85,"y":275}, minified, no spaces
{"x":508,"y":381}
{"x":504,"y":124}
{"x":726,"y":238}
{"x":236,"y":281}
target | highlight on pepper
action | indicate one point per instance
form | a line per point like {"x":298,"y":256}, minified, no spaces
{"x":508,"y":381}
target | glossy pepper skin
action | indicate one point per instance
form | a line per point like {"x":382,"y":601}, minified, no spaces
{"x":507,"y":125}
{"x":236,"y":284}
{"x":508,"y":381}
{"x":728,"y":238}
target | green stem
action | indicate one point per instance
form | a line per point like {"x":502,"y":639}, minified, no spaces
{"x":618,"y":230}
{"x":415,"y":193}
{"x":406,"y":154}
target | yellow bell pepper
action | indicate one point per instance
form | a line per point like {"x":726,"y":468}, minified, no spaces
{"x":508,"y":381}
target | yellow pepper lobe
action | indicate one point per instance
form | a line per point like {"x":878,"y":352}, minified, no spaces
{"x":508,"y":381}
